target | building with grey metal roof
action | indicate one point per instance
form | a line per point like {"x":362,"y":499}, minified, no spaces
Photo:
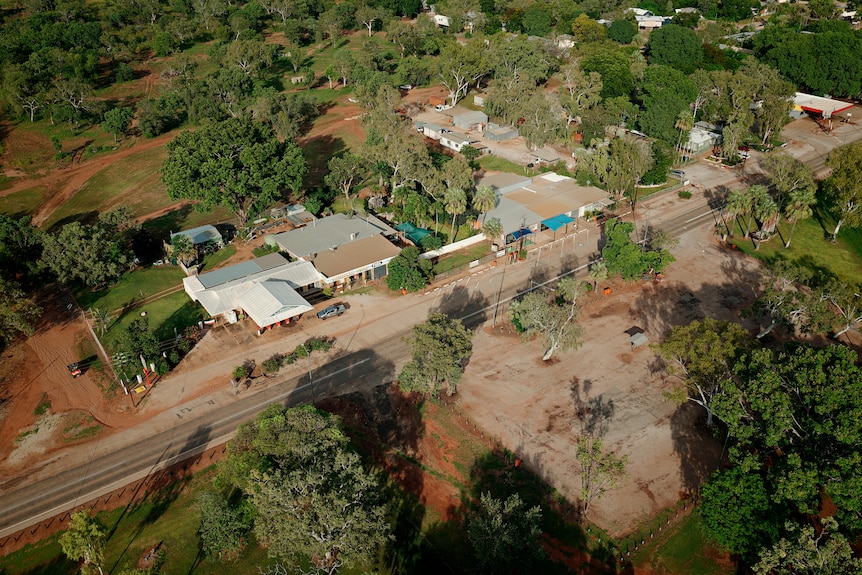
{"x":548,"y":200}
{"x":330,"y":232}
{"x":201,"y":235}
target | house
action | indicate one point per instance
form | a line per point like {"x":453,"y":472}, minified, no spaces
{"x":702,"y":137}
{"x":498,"y":133}
{"x":548,"y":201}
{"x":343,"y":248}
{"x":650,"y":22}
{"x":204,"y":238}
{"x":363,"y":260}
{"x":456,"y":141}
{"x":466,"y":119}
{"x":266,"y":289}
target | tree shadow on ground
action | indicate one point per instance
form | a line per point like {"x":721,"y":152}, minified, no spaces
{"x":87,"y":218}
{"x":567,"y":546}
{"x":387,"y":426}
{"x":593,"y":414}
{"x":317,"y":151}
{"x":663,"y":306}
{"x":163,"y":226}
{"x":695,"y":444}
{"x":470,"y":306}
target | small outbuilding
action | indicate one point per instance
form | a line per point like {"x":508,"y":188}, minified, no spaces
{"x":498,"y":133}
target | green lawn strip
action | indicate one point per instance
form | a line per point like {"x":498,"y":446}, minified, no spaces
{"x":809,"y":247}
{"x":41,"y":558}
{"x":22,"y":203}
{"x":131,"y":287}
{"x":132,"y":181}
{"x":684,"y":550}
{"x":215,"y":259}
{"x":495,"y":164}
{"x":462,"y":257}
{"x":165,"y":314}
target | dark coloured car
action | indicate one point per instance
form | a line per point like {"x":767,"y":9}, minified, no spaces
{"x":331,"y":311}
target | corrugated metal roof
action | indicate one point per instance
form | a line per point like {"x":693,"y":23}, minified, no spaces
{"x":241,"y":270}
{"x":201,"y":234}
{"x":228,"y":295}
{"x":330,"y":232}
{"x":272,"y":301}
{"x":355,"y":255}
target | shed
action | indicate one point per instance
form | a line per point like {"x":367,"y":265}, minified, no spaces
{"x":468,"y":119}
{"x":546,"y":156}
{"x":202,"y":235}
{"x":433,"y":131}
{"x":498,"y":133}
{"x":638,"y":339}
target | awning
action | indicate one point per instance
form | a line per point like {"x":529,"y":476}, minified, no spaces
{"x":557,"y":222}
{"x":522,"y":232}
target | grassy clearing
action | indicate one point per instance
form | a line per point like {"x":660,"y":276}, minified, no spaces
{"x":23,"y":203}
{"x":43,"y":407}
{"x":132,"y":181}
{"x":462,"y":257}
{"x":131,"y":288}
{"x":215,"y":259}
{"x":685,"y":550}
{"x":164,"y":314}
{"x":809,"y":247}
{"x":495,"y":164}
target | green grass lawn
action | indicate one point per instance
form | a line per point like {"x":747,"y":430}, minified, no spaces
{"x":462,"y":257}
{"x":810,"y":247}
{"x":685,"y":550}
{"x":23,"y":203}
{"x":493,"y":163}
{"x":132,"y":181}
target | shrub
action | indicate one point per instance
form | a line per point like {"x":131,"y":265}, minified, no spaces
{"x":240,"y":372}
{"x":684,"y":194}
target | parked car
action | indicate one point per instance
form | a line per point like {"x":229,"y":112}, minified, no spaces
{"x":677,"y":174}
{"x":331,"y":311}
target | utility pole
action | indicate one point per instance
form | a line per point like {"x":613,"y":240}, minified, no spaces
{"x":310,"y":377}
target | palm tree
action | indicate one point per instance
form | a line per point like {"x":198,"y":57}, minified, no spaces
{"x":739,"y":204}
{"x":493,"y":229}
{"x":484,"y":200}
{"x":598,"y":273}
{"x":798,"y":208}
{"x":456,"y":204}
{"x":684,"y":123}
{"x":101,"y":318}
{"x":762,"y":205}
{"x":766,"y":212}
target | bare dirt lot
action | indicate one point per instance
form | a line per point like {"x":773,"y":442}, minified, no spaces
{"x":539,"y":409}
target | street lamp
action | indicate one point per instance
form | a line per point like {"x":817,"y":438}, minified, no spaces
{"x":310,"y":378}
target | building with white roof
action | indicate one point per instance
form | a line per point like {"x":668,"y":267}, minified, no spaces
{"x":266,"y":289}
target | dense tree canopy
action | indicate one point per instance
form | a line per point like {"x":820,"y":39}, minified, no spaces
{"x":675,"y":46}
{"x":313,"y":498}
{"x":440,"y":347}
{"x":237,"y":164}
